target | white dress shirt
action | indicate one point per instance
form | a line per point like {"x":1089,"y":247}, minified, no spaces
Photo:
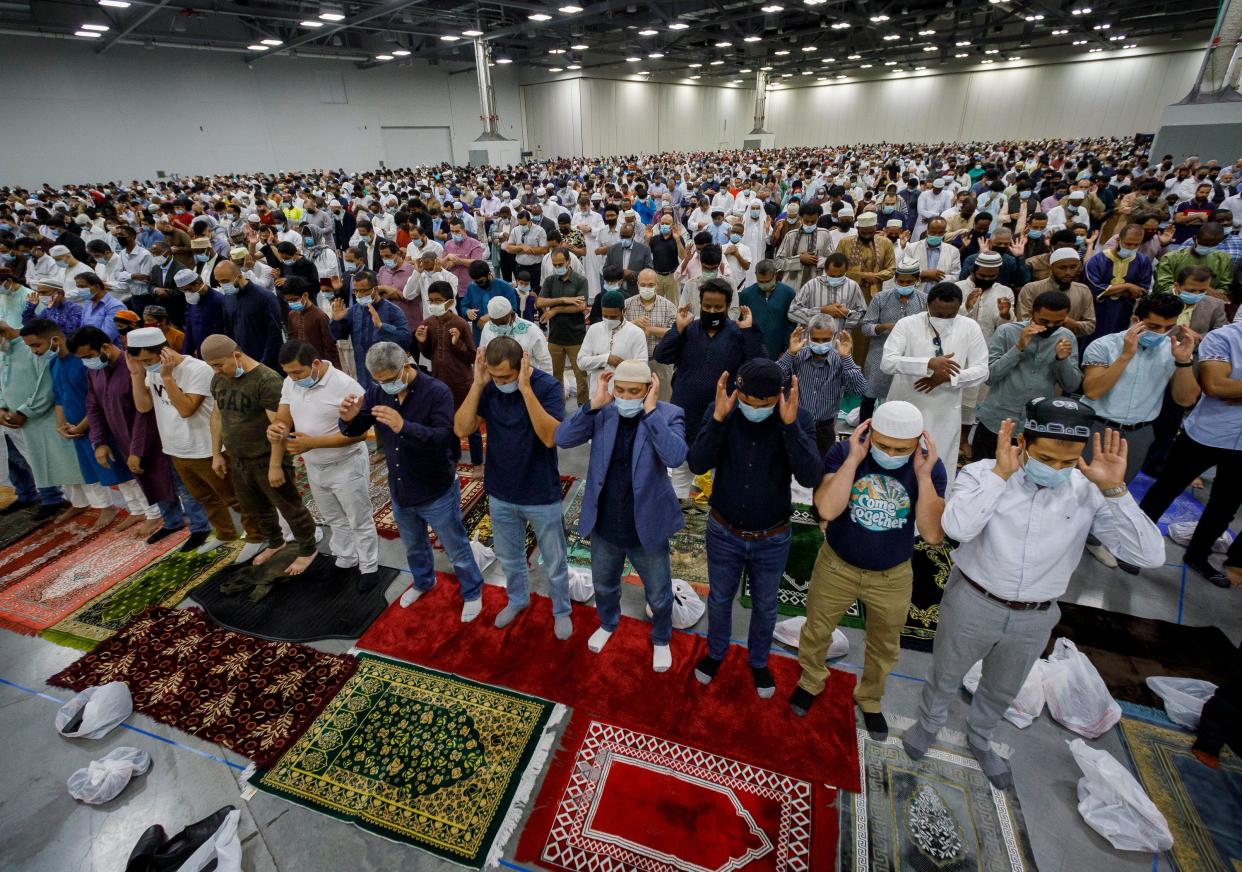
{"x":627,"y":342}
{"x":418,"y":282}
{"x":413,"y":252}
{"x":1021,"y":542}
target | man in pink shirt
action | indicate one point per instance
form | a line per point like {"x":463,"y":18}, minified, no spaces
{"x":459,"y":251}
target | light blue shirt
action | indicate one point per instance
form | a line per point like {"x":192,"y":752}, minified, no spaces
{"x":720,"y":233}
{"x":1138,"y":395}
{"x":1214,"y":421}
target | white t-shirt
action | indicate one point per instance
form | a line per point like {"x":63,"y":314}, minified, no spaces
{"x":188,"y":438}
{"x":315,"y":412}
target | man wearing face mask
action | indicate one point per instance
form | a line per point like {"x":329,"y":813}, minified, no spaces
{"x":610,"y":340}
{"x":905,"y":297}
{"x":702,"y":350}
{"x":527,"y":242}
{"x":631,"y":256}
{"x":937,"y":260}
{"x":504,"y":321}
{"x":629,"y":510}
{"x":879,"y":489}
{"x":712,"y":266}
{"x":1065,"y":265}
{"x":69,"y":268}
{"x":1117,"y":277}
{"x":483,"y":288}
{"x":655,"y":315}
{"x":832,"y":294}
{"x":819,"y":357}
{"x":769,"y":301}
{"x":461,"y":250}
{"x":204,"y":314}
{"x":252,"y":315}
{"x":1026,"y":359}
{"x":1000,"y":603}
{"x":754,"y":452}
{"x":933,"y":359}
{"x":49,"y":302}
{"x":801,"y":254}
{"x":668,"y":250}
{"x":1204,"y":251}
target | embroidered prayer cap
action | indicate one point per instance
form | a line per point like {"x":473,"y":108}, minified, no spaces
{"x":989,"y":260}
{"x":894,"y":223}
{"x":867,"y":219}
{"x":1078,"y":195}
{"x":200,"y":244}
{"x":845,"y":212}
{"x":238,"y":253}
{"x":145,"y":337}
{"x":898,"y":419}
{"x":938,"y":183}
{"x":1063,"y":254}
{"x":632,"y":371}
{"x":909,"y":267}
{"x":498,"y":307}
{"x":760,"y":378}
{"x":58,"y":251}
{"x":185,"y":277}
{"x":1058,"y":418}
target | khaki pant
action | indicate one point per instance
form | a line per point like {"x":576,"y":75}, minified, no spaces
{"x":835,"y":585}
{"x":666,"y":287}
{"x":216,"y":496}
{"x":559,"y":353}
{"x":261,"y":501}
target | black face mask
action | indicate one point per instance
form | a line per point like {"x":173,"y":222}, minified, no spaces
{"x":984,"y":284}
{"x":712,"y":320}
{"x":482,"y":283}
{"x":1048,"y":331}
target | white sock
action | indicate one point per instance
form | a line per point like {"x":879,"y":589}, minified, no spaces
{"x":661,"y":658}
{"x":410,"y":596}
{"x":211,"y":544}
{"x":598,"y":640}
{"x":471,"y":610}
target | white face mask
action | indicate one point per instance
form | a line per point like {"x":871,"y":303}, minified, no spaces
{"x":192,"y":298}
{"x":941,"y":324}
{"x":646,"y":292}
{"x":437,"y":309}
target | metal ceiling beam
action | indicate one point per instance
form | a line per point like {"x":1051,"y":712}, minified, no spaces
{"x":391,"y":8}
{"x":133,"y":25}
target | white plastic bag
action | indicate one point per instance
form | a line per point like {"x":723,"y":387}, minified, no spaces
{"x":1077,"y":697}
{"x":1182,"y":531}
{"x":581,"y":585}
{"x":104,"y":779}
{"x":789,"y":631}
{"x":688,"y":607}
{"x":1114,"y":804}
{"x":102,"y":708}
{"x":1184,"y":698}
{"x":224,"y":847}
{"x":1027,"y":705}
{"x":483,"y":556}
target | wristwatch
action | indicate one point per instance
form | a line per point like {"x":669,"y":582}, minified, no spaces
{"x":1111,"y":492}
{"x":1180,"y":365}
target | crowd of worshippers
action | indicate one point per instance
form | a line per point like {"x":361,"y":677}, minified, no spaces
{"x":1059,"y":313}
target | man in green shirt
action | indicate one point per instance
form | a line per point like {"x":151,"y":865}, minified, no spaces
{"x":769,"y":301}
{"x":1203,"y":251}
{"x":562,"y":303}
{"x":247,"y":395}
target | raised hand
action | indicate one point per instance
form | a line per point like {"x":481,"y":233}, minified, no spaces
{"x":1130,"y":344}
{"x":454,"y":336}
{"x":653,"y":394}
{"x":1064,"y":348}
{"x":924,"y":463}
{"x":845,"y":343}
{"x":481,"y":375}
{"x":603,"y":394}
{"x":725,"y":399}
{"x":797,"y":340}
{"x":420,"y":333}
{"x":524,"y":374}
{"x":744,"y":318}
{"x":860,"y":442}
{"x":789,"y":403}
{"x":1003,"y":307}
{"x":167,"y":362}
{"x":684,"y":318}
{"x":1108,"y":460}
{"x":1183,"y":342}
{"x":339,"y":310}
{"x":1008,"y":455}
{"x":389,"y":417}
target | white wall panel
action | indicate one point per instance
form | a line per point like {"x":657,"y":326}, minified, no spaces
{"x":553,"y":118}
{"x":75,"y":116}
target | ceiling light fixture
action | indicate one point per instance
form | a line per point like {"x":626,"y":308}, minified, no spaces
{"x":992,"y":51}
{"x":878,"y":19}
{"x":573,"y":67}
{"x":809,"y":48}
{"x":736,"y":82}
{"x":309,"y":23}
{"x":498,"y":60}
{"x":807,"y":73}
{"x":571,"y":9}
{"x":724,"y":43}
{"x":678,"y":25}
{"x":814,"y":2}
{"x":1131,"y":45}
{"x":988,"y":61}
{"x":331,"y":16}
{"x":696,"y":77}
{"x":472,"y":33}
{"x":383,"y":57}
{"x":1060,"y":32}
{"x":1015,"y":57}
{"x":962,"y":42}
{"x":448,"y":37}
{"x":961,"y":54}
{"x":927,"y":33}
{"x":890,"y":63}
{"x":854,"y":57}
{"x":931,"y":48}
{"x":539,"y":16}
{"x":116,"y":4}
{"x":1085,"y":10}
{"x":556,"y":51}
{"x":555,"y":70}
{"x":102,"y":28}
{"x":692,"y":66}
{"x":656,"y":55}
{"x":1094,"y":50}
{"x":781,"y":53}
{"x":745,"y":70}
{"x":891,"y":36}
{"x":841,"y":76}
{"x":716,"y":63}
{"x":786,"y":75}
{"x":272,"y":42}
{"x":1102,"y":27}
{"x":919,"y":69}
{"x":772,"y":7}
{"x":404,"y":53}
{"x":635,"y":60}
{"x":95,"y":34}
{"x":841,"y":25}
{"x":865,"y":66}
{"x":752,"y":39}
{"x":648,"y":32}
{"x":1034,"y":17}
{"x":1080,"y":42}
{"x":580,"y":47}
{"x":766,"y":69}
{"x":1117,"y":37}
{"x":828,"y":60}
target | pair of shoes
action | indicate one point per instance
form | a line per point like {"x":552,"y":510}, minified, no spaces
{"x":199,"y":542}
{"x":155,"y":852}
{"x":1102,"y":554}
{"x":367,"y":580}
{"x":1204,"y":567}
{"x":162,"y":533}
{"x":46,"y":511}
{"x":800,"y":701}
{"x":15,"y":507}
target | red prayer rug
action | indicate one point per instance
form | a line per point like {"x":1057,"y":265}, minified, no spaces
{"x":619,"y":799}
{"x":45,"y":544}
{"x":619,"y":687}
{"x":251,"y":696}
{"x":60,"y":587}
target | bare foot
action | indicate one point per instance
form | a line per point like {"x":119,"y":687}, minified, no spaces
{"x":265,"y":555}
{"x":299,"y":566}
{"x":149,"y":526}
{"x":127,"y":522}
{"x":106,"y":517}
{"x":476,"y":472}
{"x":72,"y":512}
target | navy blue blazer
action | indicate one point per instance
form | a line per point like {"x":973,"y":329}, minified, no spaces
{"x":659,"y":444}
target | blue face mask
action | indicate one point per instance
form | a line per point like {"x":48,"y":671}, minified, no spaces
{"x":239,"y":372}
{"x":507,"y":388}
{"x":95,"y":362}
{"x":1190,"y":299}
{"x":458,"y":237}
{"x":808,"y":230}
{"x":1035,"y":234}
{"x":393,"y":387}
{"x":1205,"y":249}
{"x":307,"y":382}
{"x":611,"y":287}
{"x":755,"y":415}
{"x":820,"y":348}
{"x":628,"y":408}
{"x":1125,"y":253}
{"x":888,"y":210}
{"x":200,"y":258}
{"x":933,"y":241}
{"x":153,"y":367}
{"x":1044,"y":475}
{"x":502,"y":329}
{"x":735,"y":238}
{"x":889,"y":461}
{"x":308,"y":241}
{"x":1024,"y":195}
{"x":560,"y":270}
{"x":666,"y":229}
{"x":227,"y":288}
{"x":905,"y":290}
{"x":296,"y":306}
{"x":835,"y":281}
{"x":390,"y":262}
{"x":1152,"y":340}
{"x":627,"y":243}
{"x":350,"y":267}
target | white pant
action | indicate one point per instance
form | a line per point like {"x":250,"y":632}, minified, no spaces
{"x":92,"y":496}
{"x":136,"y":501}
{"x":342,"y":492}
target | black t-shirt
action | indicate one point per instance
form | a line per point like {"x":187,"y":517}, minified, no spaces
{"x":569,"y":328}
{"x":663,"y":253}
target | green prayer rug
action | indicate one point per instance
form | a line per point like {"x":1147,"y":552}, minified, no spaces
{"x":796,"y":579}
{"x":422,"y":757}
{"x":164,"y":583}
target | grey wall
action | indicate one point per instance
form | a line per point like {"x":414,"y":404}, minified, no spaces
{"x":72,"y":115}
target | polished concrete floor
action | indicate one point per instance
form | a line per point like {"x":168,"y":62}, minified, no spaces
{"x":43,"y":830}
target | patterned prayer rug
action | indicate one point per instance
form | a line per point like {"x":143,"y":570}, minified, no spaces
{"x":164,"y":583}
{"x":478,"y":521}
{"x":377,"y":488}
{"x":1202,"y":805}
{"x":685,"y":548}
{"x":471,"y":492}
{"x":1185,"y":507}
{"x":252,"y":697}
{"x":932,"y":565}
{"x":425,"y":758}
{"x":619,"y":687}
{"x":43,"y":545}
{"x":1128,"y":650}
{"x":16,"y":525}
{"x":618,"y":799}
{"x":47,"y":596}
{"x":937,"y":814}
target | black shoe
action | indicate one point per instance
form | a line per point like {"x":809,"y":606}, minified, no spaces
{"x":765,"y":685}
{"x":877,"y":727}
{"x":18,"y":506}
{"x":368,"y":580}
{"x":193,"y":541}
{"x":172,"y":854}
{"x":142,"y":858}
{"x":1205,"y":568}
{"x":801,"y":701}
{"x":1127,"y":567}
{"x":705,"y":670}
{"x":162,"y":533}
{"x":46,"y":511}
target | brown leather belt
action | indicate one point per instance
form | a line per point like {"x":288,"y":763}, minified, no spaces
{"x":1009,"y":604}
{"x":749,"y":535}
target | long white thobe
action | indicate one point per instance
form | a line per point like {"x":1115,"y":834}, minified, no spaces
{"x":906,"y":353}
{"x":627,"y":342}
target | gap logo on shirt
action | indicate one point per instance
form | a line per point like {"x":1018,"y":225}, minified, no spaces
{"x":879,"y":503}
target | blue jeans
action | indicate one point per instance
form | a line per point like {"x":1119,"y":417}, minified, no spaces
{"x":443,"y":514}
{"x":509,"y":535}
{"x":172,"y":510}
{"x":475,"y":443}
{"x":652,"y":565}
{"x":764,"y":562}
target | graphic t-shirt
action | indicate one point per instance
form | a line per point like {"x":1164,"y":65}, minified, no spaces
{"x":876,"y":530}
